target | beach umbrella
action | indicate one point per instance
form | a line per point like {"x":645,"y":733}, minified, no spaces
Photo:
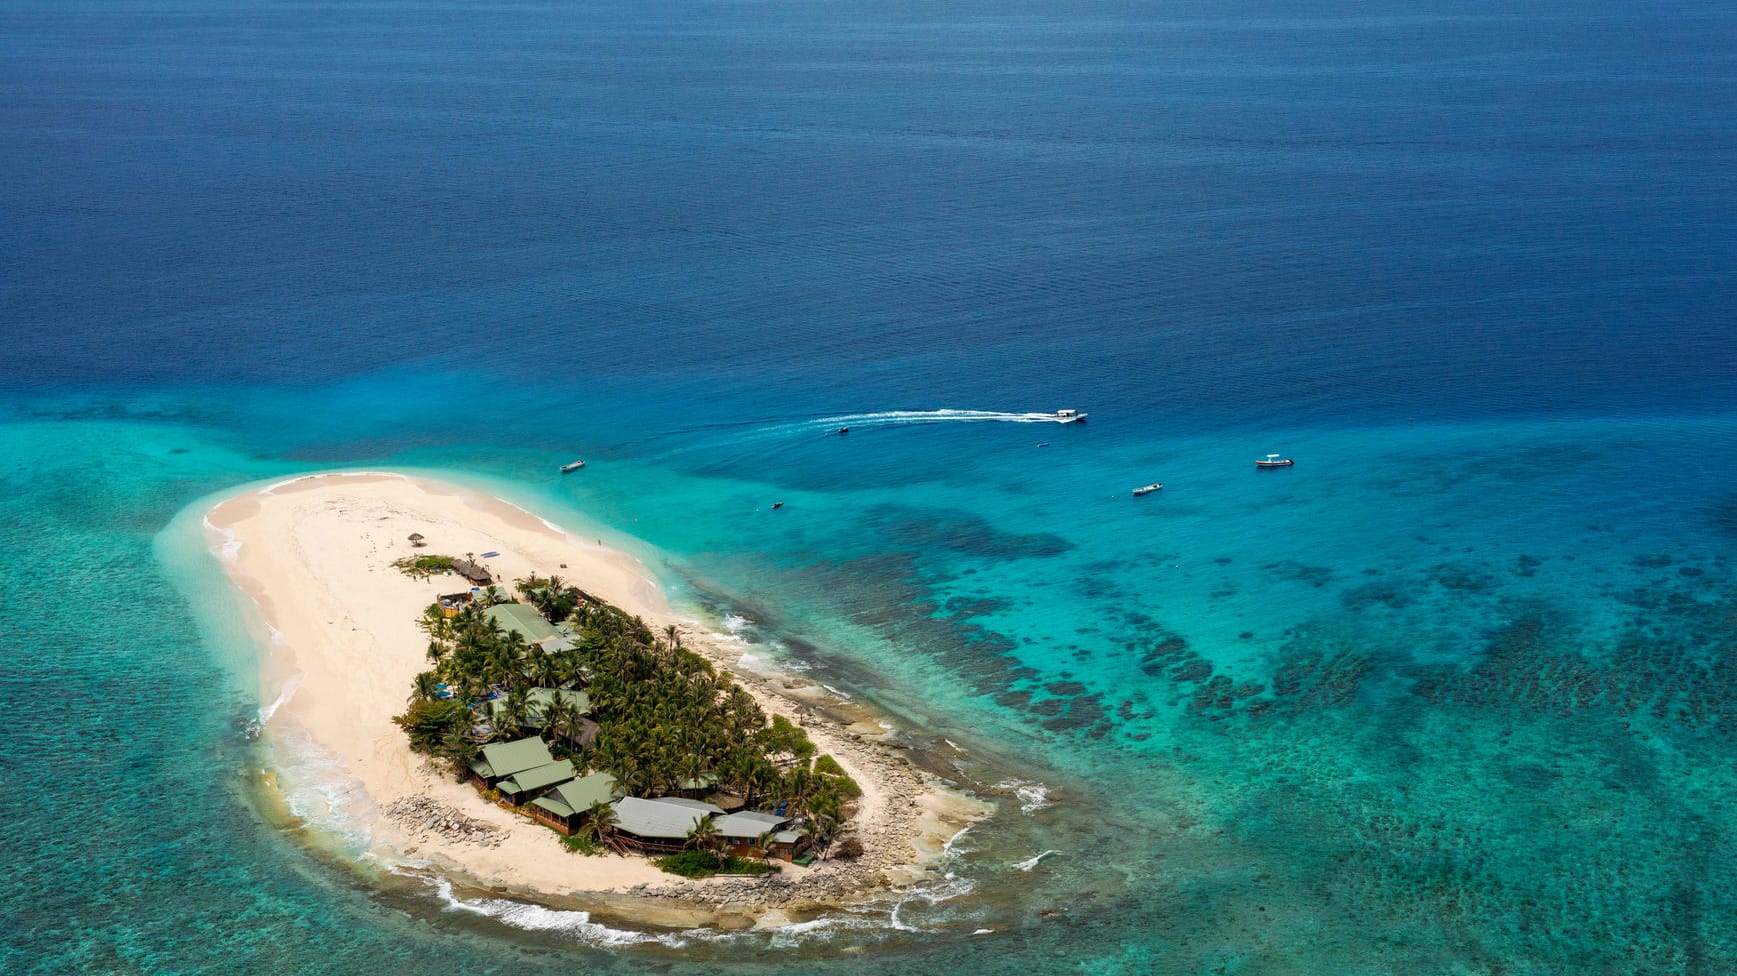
{"x":416,"y":538}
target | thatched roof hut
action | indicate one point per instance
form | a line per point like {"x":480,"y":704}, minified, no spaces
{"x":416,"y":540}
{"x":471,"y":571}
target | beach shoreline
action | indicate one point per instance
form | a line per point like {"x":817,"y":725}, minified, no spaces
{"x":340,"y":646}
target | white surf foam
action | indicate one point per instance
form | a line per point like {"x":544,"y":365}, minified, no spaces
{"x":318,"y":790}
{"x":1032,"y":796}
{"x":578,"y":924}
{"x":283,"y":697}
{"x":1032,"y":862}
{"x":229,"y":547}
{"x":948,"y":849}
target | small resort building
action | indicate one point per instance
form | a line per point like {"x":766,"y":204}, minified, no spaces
{"x":659,"y":825}
{"x":534,"y":782}
{"x":566,"y":805}
{"x":500,"y":760}
{"x":742,"y":833}
{"x":523,"y":618}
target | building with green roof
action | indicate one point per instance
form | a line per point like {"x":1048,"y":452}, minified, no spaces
{"x":523,"y":618}
{"x":567,"y":804}
{"x":502,"y":759}
{"x":536,"y":781}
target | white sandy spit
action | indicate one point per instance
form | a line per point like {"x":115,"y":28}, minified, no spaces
{"x":315,"y":555}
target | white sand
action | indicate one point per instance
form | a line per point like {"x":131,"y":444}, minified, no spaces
{"x":315,"y":554}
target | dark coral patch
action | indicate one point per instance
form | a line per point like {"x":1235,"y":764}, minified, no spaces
{"x":1382,"y":593}
{"x":952,"y":531}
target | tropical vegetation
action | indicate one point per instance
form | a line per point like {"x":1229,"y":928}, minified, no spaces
{"x":662,"y":719}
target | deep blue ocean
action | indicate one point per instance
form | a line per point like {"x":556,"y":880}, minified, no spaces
{"x":1455,"y":694}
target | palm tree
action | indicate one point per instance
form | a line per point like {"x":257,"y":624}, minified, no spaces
{"x":554,"y":715}
{"x":764,"y":841}
{"x":425,"y":688}
{"x":512,"y":712}
{"x":704,"y":835}
{"x":798,"y":786}
{"x":434,"y":622}
{"x":459,"y":752}
{"x":599,"y":820}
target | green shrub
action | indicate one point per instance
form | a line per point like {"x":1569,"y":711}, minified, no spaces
{"x":834,"y":776}
{"x":581,"y":844}
{"x":422,"y":567}
{"x":704,"y":864}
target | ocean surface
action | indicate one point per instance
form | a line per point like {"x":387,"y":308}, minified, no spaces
{"x":1455,"y":694}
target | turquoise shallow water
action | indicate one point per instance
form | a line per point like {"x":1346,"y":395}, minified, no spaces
{"x":1472,"y":708}
{"x":1452,"y":695}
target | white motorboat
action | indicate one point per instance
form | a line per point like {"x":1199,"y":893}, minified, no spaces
{"x":1069,"y":417}
{"x":572,"y":466}
{"x":1149,"y":489}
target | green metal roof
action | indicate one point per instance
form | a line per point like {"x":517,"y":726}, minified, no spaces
{"x":581,"y":793}
{"x":507,"y":758}
{"x":553,"y":805}
{"x":523,"y":618}
{"x":538,"y":777}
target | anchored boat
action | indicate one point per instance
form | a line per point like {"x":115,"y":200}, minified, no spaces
{"x":1274,"y":461}
{"x":572,"y":466}
{"x":1149,"y":489}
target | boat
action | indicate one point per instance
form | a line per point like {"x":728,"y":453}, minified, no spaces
{"x":777,"y":504}
{"x":1148,"y":489}
{"x":572,"y":466}
{"x":1274,"y":461}
{"x":1069,"y":417}
{"x":844,"y":430}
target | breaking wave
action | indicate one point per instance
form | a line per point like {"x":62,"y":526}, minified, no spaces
{"x":1032,"y":862}
{"x":1032,"y":796}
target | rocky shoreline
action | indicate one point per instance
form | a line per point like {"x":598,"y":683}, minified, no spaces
{"x":423,"y":815}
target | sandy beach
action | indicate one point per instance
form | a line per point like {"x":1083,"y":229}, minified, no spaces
{"x":341,"y":646}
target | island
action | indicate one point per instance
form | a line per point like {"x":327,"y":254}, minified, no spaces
{"x":477,"y":695}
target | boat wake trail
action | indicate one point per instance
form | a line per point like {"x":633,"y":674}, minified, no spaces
{"x":750,"y":441}
{"x":904,"y":418}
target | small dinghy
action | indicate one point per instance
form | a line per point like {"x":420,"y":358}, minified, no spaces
{"x":572,"y":466}
{"x":1149,"y":489}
